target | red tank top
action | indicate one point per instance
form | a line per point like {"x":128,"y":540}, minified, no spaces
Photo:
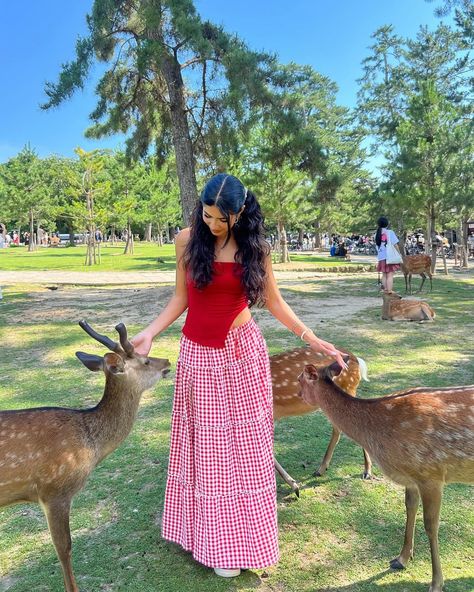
{"x":212,"y":310}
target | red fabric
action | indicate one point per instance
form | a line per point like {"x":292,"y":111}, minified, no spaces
{"x":385,"y":267}
{"x":212,"y":310}
{"x":220,"y":500}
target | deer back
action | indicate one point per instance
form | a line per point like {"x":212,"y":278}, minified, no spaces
{"x":288,"y":365}
{"x":416,"y":264}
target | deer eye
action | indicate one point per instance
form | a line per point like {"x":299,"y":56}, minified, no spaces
{"x":147,"y":362}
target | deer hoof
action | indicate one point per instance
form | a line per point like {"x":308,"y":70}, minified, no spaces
{"x":395,"y":564}
{"x":366,"y":476}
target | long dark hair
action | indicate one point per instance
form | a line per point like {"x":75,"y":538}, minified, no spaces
{"x":382,"y":222}
{"x":229,"y":194}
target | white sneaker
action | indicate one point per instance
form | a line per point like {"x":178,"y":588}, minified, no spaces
{"x":227,"y":573}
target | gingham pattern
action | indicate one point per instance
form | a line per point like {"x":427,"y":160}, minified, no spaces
{"x":220,"y":500}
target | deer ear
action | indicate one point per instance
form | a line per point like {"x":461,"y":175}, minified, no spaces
{"x":311,"y":372}
{"x":334,"y":369}
{"x":94,"y":363}
{"x":113,"y":363}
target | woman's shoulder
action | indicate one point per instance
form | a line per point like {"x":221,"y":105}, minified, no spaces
{"x":182,"y":237}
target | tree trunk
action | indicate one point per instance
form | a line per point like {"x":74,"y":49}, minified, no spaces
{"x":181,"y":138}
{"x":129,"y":244}
{"x":430,"y":240}
{"x":148,"y":229}
{"x":317,"y":234}
{"x":159,"y":235}
{"x":32,"y":242}
{"x":463,"y":242}
{"x":284,"y":256}
{"x":71,"y":235}
{"x":91,"y":257}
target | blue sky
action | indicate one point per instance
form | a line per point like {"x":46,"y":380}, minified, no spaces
{"x":37,"y":37}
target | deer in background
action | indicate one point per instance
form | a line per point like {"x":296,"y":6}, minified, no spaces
{"x":396,"y":308}
{"x":47,"y":453}
{"x":285,"y":368}
{"x":416,"y":264}
{"x":421,"y":438}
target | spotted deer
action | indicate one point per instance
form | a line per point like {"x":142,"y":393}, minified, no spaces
{"x":285,"y":368}
{"x":47,"y":453}
{"x":416,"y":264}
{"x":421,"y":438}
{"x":396,"y":308}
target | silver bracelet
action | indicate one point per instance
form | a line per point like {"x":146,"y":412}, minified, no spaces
{"x":303,"y":334}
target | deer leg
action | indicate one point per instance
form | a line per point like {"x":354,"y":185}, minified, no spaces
{"x":431,"y":495}
{"x":336,"y":435}
{"x":423,"y":278}
{"x":426,"y":314}
{"x":412,"y":501}
{"x":406,"y":283}
{"x":286,"y":477}
{"x":409,"y":282}
{"x":57,"y":514}
{"x":431,"y":282}
{"x":367,"y":465}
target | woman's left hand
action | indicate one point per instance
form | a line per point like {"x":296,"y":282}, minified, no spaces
{"x":319,"y":345}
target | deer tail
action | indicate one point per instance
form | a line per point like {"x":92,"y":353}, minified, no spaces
{"x":363,"y":369}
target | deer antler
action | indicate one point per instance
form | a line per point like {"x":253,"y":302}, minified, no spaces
{"x":103,"y":339}
{"x":124,"y":342}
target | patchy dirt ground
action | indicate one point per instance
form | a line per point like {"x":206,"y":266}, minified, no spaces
{"x":138,"y":305}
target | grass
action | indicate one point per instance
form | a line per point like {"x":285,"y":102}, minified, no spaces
{"x":340,"y":534}
{"x":146,"y":257}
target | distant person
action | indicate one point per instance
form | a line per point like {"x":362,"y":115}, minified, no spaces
{"x":382,"y":236}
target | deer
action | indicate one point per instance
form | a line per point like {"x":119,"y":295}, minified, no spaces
{"x":285,"y":368}
{"x":396,"y":308}
{"x":47,"y":453}
{"x":421,"y":438}
{"x":416,"y":264}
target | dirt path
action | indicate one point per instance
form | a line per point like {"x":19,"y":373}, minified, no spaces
{"x":139,"y":304}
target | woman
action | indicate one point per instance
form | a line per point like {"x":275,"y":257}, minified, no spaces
{"x":220,"y":500}
{"x":382,"y":235}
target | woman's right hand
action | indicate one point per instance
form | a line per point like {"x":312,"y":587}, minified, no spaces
{"x":142,"y":343}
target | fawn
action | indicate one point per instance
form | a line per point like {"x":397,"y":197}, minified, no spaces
{"x":285,"y":368}
{"x":418,"y":264}
{"x":396,"y":308}
{"x":421,"y":438}
{"x":47,"y":453}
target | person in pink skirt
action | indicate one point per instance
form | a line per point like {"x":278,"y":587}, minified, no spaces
{"x":381,"y":237}
{"x":220,"y":499}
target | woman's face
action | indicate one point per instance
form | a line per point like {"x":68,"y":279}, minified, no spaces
{"x":216,"y":221}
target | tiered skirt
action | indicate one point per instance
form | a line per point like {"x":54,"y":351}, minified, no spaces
{"x":220,"y":500}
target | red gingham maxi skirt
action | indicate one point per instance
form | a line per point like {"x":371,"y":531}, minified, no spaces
{"x":220,"y":500}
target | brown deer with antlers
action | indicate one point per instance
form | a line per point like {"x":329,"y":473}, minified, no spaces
{"x":47,"y":453}
{"x":285,"y":368}
{"x":416,"y":264}
{"x":421,"y":438}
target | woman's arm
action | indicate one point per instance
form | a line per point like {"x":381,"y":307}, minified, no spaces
{"x":284,"y":313}
{"x":177,"y":304}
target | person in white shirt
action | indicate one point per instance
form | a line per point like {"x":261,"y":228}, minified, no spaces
{"x":382,"y":236}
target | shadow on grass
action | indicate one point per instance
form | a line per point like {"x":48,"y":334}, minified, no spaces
{"x":371,"y":585}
